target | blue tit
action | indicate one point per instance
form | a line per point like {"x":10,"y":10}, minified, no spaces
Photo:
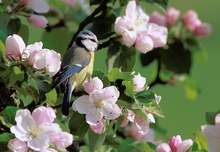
{"x":77,"y":65}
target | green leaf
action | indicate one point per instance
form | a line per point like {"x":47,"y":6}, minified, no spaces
{"x":129,"y":91}
{"x":200,"y":55}
{"x":16,"y":76}
{"x":126,"y":145}
{"x":103,"y":24}
{"x":32,"y":92}
{"x":95,"y":140}
{"x":24,"y":32}
{"x":191,"y":88}
{"x":51,"y":96}
{"x":142,"y":146}
{"x":9,"y":114}
{"x":149,"y":57}
{"x":116,"y":74}
{"x":4,"y":139}
{"x":13,"y":26}
{"x":144,"y":97}
{"x":210,"y":117}
{"x":162,"y":3}
{"x":201,"y":142}
{"x":43,"y":85}
{"x":154,"y":108}
{"x":4,"y":19}
{"x":121,"y":56}
{"x":106,"y":148}
{"x":177,"y":58}
{"x":78,"y":125}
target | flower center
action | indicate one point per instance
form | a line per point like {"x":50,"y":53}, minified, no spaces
{"x":138,"y":22}
{"x":34,"y":131}
{"x":98,"y":104}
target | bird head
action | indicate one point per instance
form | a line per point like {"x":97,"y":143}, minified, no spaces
{"x":87,"y":40}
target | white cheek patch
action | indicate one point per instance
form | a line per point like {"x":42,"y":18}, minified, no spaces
{"x":90,"y":45}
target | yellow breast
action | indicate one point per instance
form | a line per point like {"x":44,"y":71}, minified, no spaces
{"x":78,"y":78}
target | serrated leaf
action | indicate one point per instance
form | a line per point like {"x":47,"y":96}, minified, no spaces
{"x":121,"y":56}
{"x":9,"y":114}
{"x":78,"y":125}
{"x":201,"y":142}
{"x":116,"y":74}
{"x":162,"y":3}
{"x":95,"y":140}
{"x":142,"y":146}
{"x":177,"y":58}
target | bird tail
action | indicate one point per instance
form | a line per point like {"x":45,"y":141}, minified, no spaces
{"x":67,"y":98}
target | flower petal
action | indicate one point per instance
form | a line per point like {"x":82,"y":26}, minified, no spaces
{"x":94,"y":118}
{"x":111,"y":111}
{"x":82,"y":105}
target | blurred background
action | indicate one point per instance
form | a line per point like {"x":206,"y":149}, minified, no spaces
{"x":182,"y":116}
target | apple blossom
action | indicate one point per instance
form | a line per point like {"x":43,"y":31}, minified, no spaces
{"x":139,"y":82}
{"x":94,"y":84}
{"x":204,"y":29}
{"x":39,"y":6}
{"x":158,"y":34}
{"x":17,"y":145}
{"x":98,"y":104}
{"x":157,"y":18}
{"x":144,"y":44}
{"x":61,"y":139}
{"x":37,"y":129}
{"x":172,"y":15}
{"x":38,"y":21}
{"x":37,"y":46}
{"x":212,"y":133}
{"x":14,"y":47}
{"x":191,"y":20}
{"x":175,"y":145}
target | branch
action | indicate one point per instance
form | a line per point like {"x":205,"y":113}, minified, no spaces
{"x":61,"y":23}
{"x":107,"y":43}
{"x":88,"y":20}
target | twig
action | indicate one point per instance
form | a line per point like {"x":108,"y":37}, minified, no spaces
{"x":107,"y":43}
{"x":88,"y":20}
{"x":61,"y":23}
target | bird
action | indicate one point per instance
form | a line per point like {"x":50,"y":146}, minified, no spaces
{"x":76,"y":66}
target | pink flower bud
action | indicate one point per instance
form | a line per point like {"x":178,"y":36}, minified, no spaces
{"x":172,"y":15}
{"x":164,"y":147}
{"x":14,"y":47}
{"x":191,"y":20}
{"x":39,"y":6}
{"x":38,"y":20}
{"x":93,"y":84}
{"x":174,"y":142}
{"x":204,"y":29}
{"x":97,"y":128}
{"x":139,"y":82}
{"x":144,"y":43}
{"x":157,"y":18}
{"x":17,"y":145}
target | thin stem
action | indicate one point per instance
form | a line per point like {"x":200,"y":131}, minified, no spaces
{"x":88,"y":20}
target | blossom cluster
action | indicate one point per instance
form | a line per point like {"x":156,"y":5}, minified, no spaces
{"x":34,"y":55}
{"x":37,"y":131}
{"x":135,"y":29}
{"x":100,"y":104}
{"x":140,"y":126}
{"x":190,"y":20}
